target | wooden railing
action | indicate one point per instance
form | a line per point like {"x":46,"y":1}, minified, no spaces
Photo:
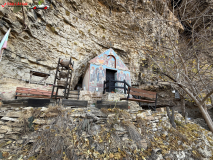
{"x":113,"y":87}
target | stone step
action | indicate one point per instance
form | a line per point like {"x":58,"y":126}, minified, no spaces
{"x":73,"y":92}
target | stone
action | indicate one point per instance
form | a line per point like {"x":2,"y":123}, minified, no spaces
{"x":206,"y":153}
{"x":119,"y":128}
{"x":141,"y":115}
{"x":160,"y":109}
{"x":1,"y":136}
{"x":27,"y":108}
{"x":20,"y":141}
{"x":148,"y":112}
{"x":169,"y":156}
{"x":164,"y":118}
{"x":39,"y":121}
{"x":154,"y":129}
{"x":50,"y":114}
{"x":179,"y":155}
{"x":43,"y":109}
{"x":144,"y":144}
{"x":10,"y":119}
{"x":13,"y":114}
{"x":78,"y":115}
{"x":12,"y":136}
{"x":160,"y":157}
{"x":5,"y":129}
{"x":111,"y":115}
{"x":150,"y":118}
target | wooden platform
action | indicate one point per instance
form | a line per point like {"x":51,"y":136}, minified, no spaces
{"x":73,"y":103}
{"x":29,"y":102}
{"x":111,"y":104}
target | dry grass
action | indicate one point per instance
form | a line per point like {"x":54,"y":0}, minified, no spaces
{"x":55,"y":109}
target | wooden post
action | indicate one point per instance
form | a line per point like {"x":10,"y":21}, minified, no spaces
{"x":109,"y":85}
{"x":104,"y":87}
{"x":78,"y":93}
{"x":124,"y":87}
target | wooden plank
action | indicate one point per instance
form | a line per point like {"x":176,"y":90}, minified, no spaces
{"x":32,"y":96}
{"x":140,"y":100}
{"x":46,"y":94}
{"x":67,"y":102}
{"x":25,"y":92}
{"x":143,"y":95}
{"x":14,"y":101}
{"x":38,"y":102}
{"x":123,"y":98}
{"x":141,"y":90}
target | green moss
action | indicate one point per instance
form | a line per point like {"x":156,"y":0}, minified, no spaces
{"x":89,"y":31}
{"x":52,"y":29}
{"x":178,"y":123}
{"x":67,"y":13}
{"x":75,"y":43}
{"x":103,"y":37}
{"x":51,"y":6}
{"x":91,"y":15}
{"x":57,"y":44}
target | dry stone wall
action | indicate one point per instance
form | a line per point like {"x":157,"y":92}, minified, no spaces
{"x":132,"y":133}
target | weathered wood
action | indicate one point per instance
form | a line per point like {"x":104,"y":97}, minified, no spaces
{"x":67,"y":102}
{"x":143,"y":91}
{"x":33,"y":96}
{"x":143,"y":94}
{"x":15,"y":101}
{"x":38,"y":102}
{"x":138,"y":100}
{"x":36,"y":93}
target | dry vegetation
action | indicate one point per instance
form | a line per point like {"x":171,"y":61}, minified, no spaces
{"x":69,"y":137}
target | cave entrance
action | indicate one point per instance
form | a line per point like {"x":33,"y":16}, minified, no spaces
{"x":79,"y":84}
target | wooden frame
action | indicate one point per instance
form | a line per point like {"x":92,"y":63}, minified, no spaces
{"x":141,"y":95}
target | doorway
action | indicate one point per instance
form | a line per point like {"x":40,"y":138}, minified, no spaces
{"x":110,"y":75}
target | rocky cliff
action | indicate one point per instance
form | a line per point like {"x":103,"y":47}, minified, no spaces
{"x":77,"y":29}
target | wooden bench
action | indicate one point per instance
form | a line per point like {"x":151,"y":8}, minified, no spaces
{"x":140,"y":95}
{"x":36,"y":93}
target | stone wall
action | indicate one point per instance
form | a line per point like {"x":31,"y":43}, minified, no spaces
{"x":135,"y":129}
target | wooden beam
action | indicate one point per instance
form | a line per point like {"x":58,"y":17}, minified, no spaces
{"x":67,"y":102}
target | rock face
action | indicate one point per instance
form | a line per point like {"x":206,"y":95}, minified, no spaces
{"x":77,"y":29}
